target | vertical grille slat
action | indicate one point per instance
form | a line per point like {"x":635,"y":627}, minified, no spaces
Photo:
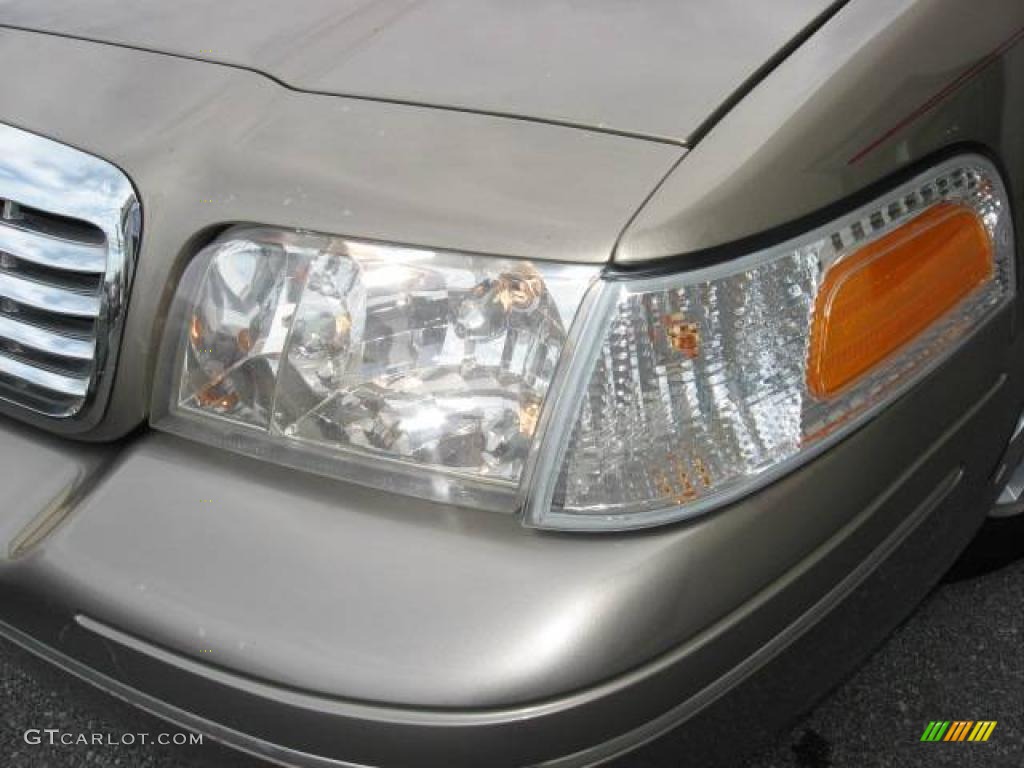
{"x":69,"y":226}
{"x":10,"y":211}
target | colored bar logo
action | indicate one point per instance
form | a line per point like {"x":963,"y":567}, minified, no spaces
{"x":958,"y":730}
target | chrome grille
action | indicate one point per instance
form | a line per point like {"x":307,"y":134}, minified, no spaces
{"x":69,"y":225}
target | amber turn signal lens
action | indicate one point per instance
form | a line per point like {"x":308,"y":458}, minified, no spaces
{"x":883,"y":296}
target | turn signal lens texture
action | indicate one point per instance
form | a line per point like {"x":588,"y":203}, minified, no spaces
{"x":691,"y":389}
{"x":884,"y":295}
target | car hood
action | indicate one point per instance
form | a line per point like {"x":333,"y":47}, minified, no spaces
{"x":656,"y":68}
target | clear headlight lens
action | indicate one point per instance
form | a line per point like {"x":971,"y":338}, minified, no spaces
{"x":412,"y":370}
{"x":589,"y":404}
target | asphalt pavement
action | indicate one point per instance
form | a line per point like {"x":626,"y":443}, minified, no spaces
{"x":959,"y":657}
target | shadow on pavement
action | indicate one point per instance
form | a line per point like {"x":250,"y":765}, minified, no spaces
{"x":998,"y":544}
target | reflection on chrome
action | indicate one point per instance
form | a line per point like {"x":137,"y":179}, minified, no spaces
{"x":69,"y":229}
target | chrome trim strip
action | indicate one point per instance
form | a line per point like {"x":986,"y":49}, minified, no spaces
{"x":44,"y":340}
{"x":243,"y":742}
{"x":44,"y":379}
{"x":50,"y":298}
{"x":55,"y":252}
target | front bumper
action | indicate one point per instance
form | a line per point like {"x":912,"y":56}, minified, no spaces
{"x":309,"y":621}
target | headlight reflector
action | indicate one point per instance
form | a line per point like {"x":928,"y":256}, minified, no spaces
{"x":413,"y":370}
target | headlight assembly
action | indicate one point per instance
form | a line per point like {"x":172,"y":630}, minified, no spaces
{"x":411,"y":370}
{"x":589,"y":404}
